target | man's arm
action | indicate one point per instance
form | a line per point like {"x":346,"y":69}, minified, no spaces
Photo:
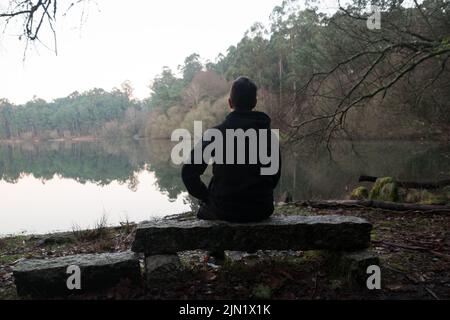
{"x":191,"y":172}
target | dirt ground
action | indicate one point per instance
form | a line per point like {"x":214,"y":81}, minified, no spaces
{"x":414,"y":250}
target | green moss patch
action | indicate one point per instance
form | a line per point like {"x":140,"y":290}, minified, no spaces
{"x":427,"y":197}
{"x":385,"y":189}
{"x":359,"y":193}
{"x":7,"y":259}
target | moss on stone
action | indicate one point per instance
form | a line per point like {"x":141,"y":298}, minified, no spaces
{"x":359,"y":193}
{"x":427,"y":197}
{"x":436,"y":199}
{"x":385,"y":189}
{"x":262,"y":292}
{"x":413,"y":196}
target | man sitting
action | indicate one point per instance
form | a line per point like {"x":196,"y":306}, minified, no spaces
{"x":237,"y":192}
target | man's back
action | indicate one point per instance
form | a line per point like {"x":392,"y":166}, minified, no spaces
{"x":237,"y":192}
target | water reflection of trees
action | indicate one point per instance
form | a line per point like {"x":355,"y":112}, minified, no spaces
{"x":93,"y":162}
{"x":83,"y":162}
{"x":305,"y":174}
{"x":313,"y":175}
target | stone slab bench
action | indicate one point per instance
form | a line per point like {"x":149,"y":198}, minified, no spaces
{"x":338,"y":233}
{"x":345,"y":239}
{"x":48,"y":277}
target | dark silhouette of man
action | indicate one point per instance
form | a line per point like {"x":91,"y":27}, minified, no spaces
{"x":236,"y":192}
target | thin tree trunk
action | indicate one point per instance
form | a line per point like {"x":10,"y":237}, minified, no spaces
{"x":280,"y":67}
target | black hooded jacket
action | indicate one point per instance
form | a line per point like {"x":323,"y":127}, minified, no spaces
{"x":236,"y":192}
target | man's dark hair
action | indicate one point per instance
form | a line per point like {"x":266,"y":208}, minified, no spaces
{"x":243,"y":94}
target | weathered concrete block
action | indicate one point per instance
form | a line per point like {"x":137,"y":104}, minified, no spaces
{"x":352,"y":266}
{"x":162,"y":268}
{"x":48,"y":277}
{"x":277,"y":233}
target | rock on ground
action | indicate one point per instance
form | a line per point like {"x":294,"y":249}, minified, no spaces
{"x":162,"y":268}
{"x":352,"y":266}
{"x":48,"y":277}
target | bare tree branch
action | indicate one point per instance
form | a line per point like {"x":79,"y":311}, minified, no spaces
{"x":384,"y":58}
{"x":34,"y":15}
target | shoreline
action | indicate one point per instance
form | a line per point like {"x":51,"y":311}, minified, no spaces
{"x":412,"y":138}
{"x":37,"y":140}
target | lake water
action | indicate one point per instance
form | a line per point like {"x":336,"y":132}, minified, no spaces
{"x":59,"y":186}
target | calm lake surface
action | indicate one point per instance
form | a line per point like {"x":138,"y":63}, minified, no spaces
{"x":58,"y":186}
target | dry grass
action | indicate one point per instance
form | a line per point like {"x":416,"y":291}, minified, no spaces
{"x":99,"y":230}
{"x":127,"y":226}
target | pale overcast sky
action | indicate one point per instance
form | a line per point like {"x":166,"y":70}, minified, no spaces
{"x":124,"y":40}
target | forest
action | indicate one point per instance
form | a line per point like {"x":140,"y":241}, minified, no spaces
{"x":320,"y":76}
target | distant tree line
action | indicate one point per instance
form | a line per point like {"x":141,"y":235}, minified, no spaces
{"x":90,"y":113}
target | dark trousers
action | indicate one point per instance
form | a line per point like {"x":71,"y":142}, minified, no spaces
{"x":205,"y":212}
